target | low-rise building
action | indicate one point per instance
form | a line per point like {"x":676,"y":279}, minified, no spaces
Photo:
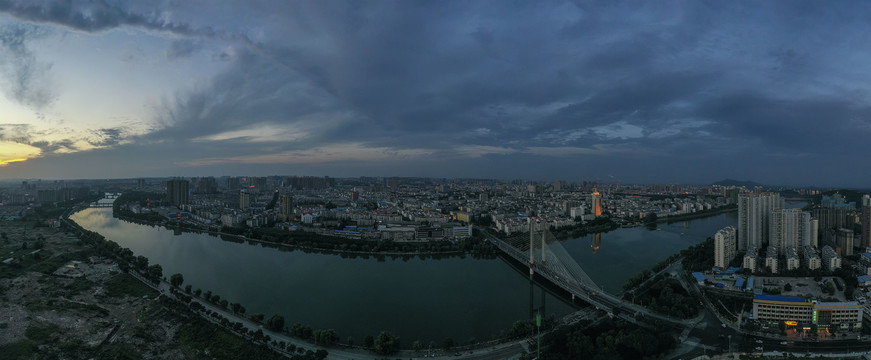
{"x":792,"y":260}
{"x":750,"y":260}
{"x":811,"y":258}
{"x":845,"y":315}
{"x":771,"y":259}
{"x":782,"y":308}
{"x":831,"y":259}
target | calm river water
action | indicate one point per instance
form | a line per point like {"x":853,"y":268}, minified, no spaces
{"x":427,"y":300}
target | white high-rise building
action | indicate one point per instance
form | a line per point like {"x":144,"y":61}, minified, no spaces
{"x":724,"y":246}
{"x":753,"y":213}
{"x":789,"y":228}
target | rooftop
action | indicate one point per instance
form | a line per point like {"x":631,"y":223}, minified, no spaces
{"x":780,"y":298}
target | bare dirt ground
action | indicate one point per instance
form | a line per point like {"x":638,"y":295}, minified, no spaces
{"x":57,"y":300}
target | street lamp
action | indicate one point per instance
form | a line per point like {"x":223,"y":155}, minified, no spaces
{"x":730,"y":343}
{"x":538,"y":343}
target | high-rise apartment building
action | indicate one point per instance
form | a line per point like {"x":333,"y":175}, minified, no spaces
{"x":833,"y":218}
{"x":178,"y":191}
{"x":866,"y":220}
{"x":789,"y":228}
{"x":724,"y":246}
{"x":206,"y":185}
{"x":753,"y":214}
{"x":844,"y":241}
{"x":286,"y":205}
{"x":233,"y":183}
{"x":244,"y":200}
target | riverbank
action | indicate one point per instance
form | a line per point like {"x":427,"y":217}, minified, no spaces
{"x":698,"y":214}
{"x":488,"y":252}
{"x":357,"y":297}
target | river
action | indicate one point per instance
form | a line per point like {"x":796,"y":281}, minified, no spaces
{"x":428,"y":300}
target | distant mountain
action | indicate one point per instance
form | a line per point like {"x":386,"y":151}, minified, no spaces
{"x":733,"y":182}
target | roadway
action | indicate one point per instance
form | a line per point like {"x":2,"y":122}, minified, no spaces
{"x":588,"y":293}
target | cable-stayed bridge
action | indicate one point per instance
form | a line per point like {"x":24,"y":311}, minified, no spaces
{"x":546,"y":257}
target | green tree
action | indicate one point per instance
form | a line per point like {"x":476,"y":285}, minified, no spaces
{"x":275,"y":323}
{"x":176,"y":280}
{"x":155,"y":272}
{"x":326,"y":337}
{"x":257,"y":317}
{"x":369,"y":341}
{"x":141,"y":263}
{"x":416,"y":345}
{"x":386,"y":343}
{"x":448,"y":343}
{"x":321,"y":354}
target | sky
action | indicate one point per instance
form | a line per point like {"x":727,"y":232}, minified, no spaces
{"x":618,"y":91}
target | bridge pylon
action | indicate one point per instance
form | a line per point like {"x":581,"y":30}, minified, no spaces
{"x":532,"y":234}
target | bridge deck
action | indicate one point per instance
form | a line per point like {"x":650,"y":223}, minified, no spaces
{"x":559,"y":276}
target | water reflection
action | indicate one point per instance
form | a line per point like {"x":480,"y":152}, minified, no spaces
{"x":595,"y":242}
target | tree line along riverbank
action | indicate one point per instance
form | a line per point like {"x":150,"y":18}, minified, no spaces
{"x":476,"y":245}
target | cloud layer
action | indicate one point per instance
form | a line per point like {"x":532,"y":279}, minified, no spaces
{"x":679,"y":92}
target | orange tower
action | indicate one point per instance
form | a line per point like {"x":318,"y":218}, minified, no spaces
{"x":597,"y":203}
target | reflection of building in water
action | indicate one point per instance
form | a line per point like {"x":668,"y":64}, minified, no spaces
{"x":532,"y":309}
{"x":596,"y":242}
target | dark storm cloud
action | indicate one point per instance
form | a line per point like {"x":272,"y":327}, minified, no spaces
{"x":20,"y":133}
{"x":50,"y":147}
{"x":108,"y":136}
{"x":635,"y":83}
{"x":252,"y":92}
{"x":24,"y":79}
{"x":90,"y":16}
{"x":182,"y":48}
{"x":817,"y":125}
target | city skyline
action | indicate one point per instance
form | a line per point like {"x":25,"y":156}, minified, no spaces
{"x":628,"y":92}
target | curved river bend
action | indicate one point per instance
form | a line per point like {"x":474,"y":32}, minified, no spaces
{"x":428,"y":300}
